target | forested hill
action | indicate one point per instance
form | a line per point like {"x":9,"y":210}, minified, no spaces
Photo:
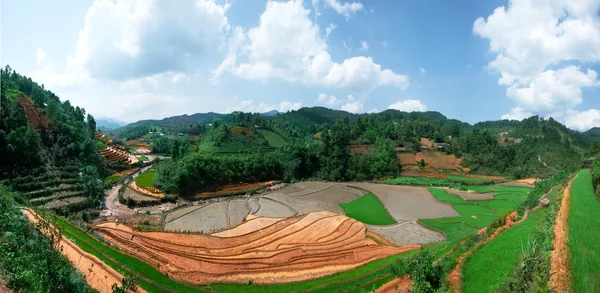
{"x":593,"y":133}
{"x":47,"y":146}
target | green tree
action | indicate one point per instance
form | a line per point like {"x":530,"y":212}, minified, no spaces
{"x":128,"y":285}
{"x":335,"y":157}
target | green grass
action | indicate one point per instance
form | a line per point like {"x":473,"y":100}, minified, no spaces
{"x":460,"y":178}
{"x":499,"y":188}
{"x":490,"y":266}
{"x":480,"y":221}
{"x":444,"y":196}
{"x":275,"y":140}
{"x":453,"y":231}
{"x":369,"y":210}
{"x":111,"y":179}
{"x":512,"y":196}
{"x":146,"y":179}
{"x":154,"y":281}
{"x":472,"y":209}
{"x":584,"y":236}
{"x":143,"y":158}
{"x":502,"y":207}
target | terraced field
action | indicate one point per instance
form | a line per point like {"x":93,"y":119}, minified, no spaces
{"x":292,"y":249}
{"x":52,"y":188}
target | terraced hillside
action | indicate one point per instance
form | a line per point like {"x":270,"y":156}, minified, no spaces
{"x":261,"y":250}
{"x":53,"y":188}
{"x":117,"y":155}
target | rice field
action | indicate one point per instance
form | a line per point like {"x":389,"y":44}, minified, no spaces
{"x":584,"y":222}
{"x":490,"y":266}
{"x":146,"y":179}
{"x":369,"y":210}
{"x":444,"y":196}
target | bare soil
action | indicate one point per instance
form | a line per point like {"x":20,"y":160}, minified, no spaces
{"x":290,"y":250}
{"x":134,"y":194}
{"x":274,"y":208}
{"x":207,"y":219}
{"x":3,"y":288}
{"x":397,"y":285}
{"x":407,"y":233}
{"x":407,"y":203}
{"x":231,"y":189}
{"x":97,"y":274}
{"x":471,"y":195}
{"x":560,"y":268}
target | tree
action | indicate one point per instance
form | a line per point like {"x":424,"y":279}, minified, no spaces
{"x":335,"y":157}
{"x":91,"y":122}
{"x":128,"y":285}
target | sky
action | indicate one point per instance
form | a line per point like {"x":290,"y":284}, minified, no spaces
{"x":477,"y":61}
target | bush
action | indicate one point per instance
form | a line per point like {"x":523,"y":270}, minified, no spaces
{"x":425,"y":274}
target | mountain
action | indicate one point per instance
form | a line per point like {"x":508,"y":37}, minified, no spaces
{"x":270,"y":113}
{"x":593,"y":133}
{"x":109,"y":123}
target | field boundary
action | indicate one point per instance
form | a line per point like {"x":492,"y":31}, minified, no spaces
{"x":560,"y":268}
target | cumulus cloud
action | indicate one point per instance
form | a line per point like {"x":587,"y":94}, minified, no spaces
{"x":530,"y":36}
{"x":346,"y":9}
{"x":287,"y":45}
{"x":517,"y":114}
{"x":409,"y":106}
{"x":352,"y":105}
{"x":251,"y":106}
{"x":328,"y":100}
{"x":582,"y":120}
{"x":126,"y":39}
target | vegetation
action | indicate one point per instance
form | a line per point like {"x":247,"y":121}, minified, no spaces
{"x":444,"y":196}
{"x":583,"y":236}
{"x":490,"y":266}
{"x":146,"y":179}
{"x":369,"y":210}
{"x":28,"y":259}
{"x":450,"y":181}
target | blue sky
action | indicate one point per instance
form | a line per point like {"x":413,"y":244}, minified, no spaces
{"x":481,"y":60}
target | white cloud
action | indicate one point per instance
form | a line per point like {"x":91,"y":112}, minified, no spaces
{"x":531,"y":36}
{"x":384,"y":44}
{"x":329,"y":100}
{"x":329,"y":29}
{"x":374,"y":110}
{"x":352,"y":107}
{"x":517,"y":114}
{"x":287,"y":45}
{"x":250,"y":106}
{"x":128,"y":39}
{"x":364,"y":46}
{"x":422,"y":71}
{"x":40,"y":55}
{"x":583,"y":120}
{"x":409,"y":106}
{"x":346,"y":9}
{"x":553,"y":90}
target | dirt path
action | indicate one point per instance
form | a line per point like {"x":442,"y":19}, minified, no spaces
{"x":397,"y":285}
{"x":97,"y":274}
{"x":560,"y":271}
{"x":546,"y":165}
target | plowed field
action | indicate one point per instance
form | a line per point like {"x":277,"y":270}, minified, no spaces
{"x":262,"y":250}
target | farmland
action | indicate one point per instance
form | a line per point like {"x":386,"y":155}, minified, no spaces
{"x":369,"y":210}
{"x":146,"y":179}
{"x":583,"y":239}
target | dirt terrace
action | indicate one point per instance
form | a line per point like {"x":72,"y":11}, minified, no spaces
{"x":407,"y":203}
{"x":265,"y":251}
{"x":97,"y":274}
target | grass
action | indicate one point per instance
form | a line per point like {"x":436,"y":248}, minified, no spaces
{"x":154,"y":281}
{"x":100,"y":145}
{"x":583,"y":235}
{"x":274,"y":139}
{"x":490,"y":266}
{"x":502,"y":207}
{"x":143,"y":158}
{"x":146,"y":179}
{"x":499,"y":188}
{"x":461,"y":178}
{"x":111,"y":179}
{"x":443,"y":196}
{"x":453,"y":231}
{"x":369,"y":210}
{"x":512,"y":196}
{"x":472,"y":209}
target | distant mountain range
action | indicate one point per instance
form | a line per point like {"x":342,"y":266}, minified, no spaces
{"x":109,"y":123}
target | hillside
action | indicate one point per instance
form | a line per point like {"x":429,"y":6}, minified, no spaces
{"x":593,"y":133}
